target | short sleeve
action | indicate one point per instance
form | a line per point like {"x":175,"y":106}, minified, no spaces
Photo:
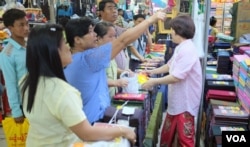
{"x":98,"y":58}
{"x":69,"y":108}
{"x":184,"y":62}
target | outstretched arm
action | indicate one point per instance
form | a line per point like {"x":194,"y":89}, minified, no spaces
{"x":132,"y":34}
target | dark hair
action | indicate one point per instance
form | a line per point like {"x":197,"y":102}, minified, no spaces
{"x":63,"y":21}
{"x":183,"y":25}
{"x":135,"y":17}
{"x":120,"y":10}
{"x":103,"y":3}
{"x":11,"y":15}
{"x":42,"y":58}
{"x":101,"y":28}
{"x":77,"y":27}
{"x":213,"y":21}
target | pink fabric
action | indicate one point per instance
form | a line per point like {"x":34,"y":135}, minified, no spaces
{"x":185,"y":65}
{"x":121,"y":59}
{"x":171,"y":3}
{"x":239,"y":58}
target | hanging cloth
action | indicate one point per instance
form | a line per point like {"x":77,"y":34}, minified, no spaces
{"x":64,"y":9}
{"x":170,"y":4}
{"x":201,"y":7}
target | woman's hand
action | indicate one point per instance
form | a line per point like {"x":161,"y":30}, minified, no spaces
{"x":149,"y":84}
{"x":129,"y":134}
{"x":158,"y":59}
{"x":157,"y":16}
{"x":122,"y":83}
{"x":148,"y":72}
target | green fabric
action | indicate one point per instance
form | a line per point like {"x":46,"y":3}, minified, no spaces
{"x":151,"y":137}
{"x":111,"y":72}
{"x":233,"y":12}
{"x":201,"y":8}
{"x":223,"y":103}
{"x":211,"y":70}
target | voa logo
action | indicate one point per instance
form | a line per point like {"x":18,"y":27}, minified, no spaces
{"x":236,"y":138}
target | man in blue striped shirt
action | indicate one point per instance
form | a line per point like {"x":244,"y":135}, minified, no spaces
{"x":13,"y":58}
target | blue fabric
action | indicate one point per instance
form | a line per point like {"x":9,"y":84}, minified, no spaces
{"x":13,"y":66}
{"x":65,"y":12}
{"x":140,"y":45}
{"x":87,"y":73}
{"x":164,"y":90}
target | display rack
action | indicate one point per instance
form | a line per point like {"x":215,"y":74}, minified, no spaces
{"x":221,"y":11}
{"x":163,"y":26}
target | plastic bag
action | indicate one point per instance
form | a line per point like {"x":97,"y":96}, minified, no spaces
{"x":15,"y":133}
{"x":133,"y":85}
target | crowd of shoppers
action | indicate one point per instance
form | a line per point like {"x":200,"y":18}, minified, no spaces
{"x":62,"y":78}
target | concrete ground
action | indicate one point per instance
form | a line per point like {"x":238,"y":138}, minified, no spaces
{"x":2,"y":138}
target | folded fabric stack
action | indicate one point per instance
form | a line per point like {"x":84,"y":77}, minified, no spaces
{"x":223,"y":111}
{"x":236,"y":67}
{"x":151,"y":137}
{"x":225,"y":38}
{"x":243,"y":49}
{"x":139,"y":119}
{"x":223,"y":62}
{"x":236,"y":47}
{"x":243,"y":88}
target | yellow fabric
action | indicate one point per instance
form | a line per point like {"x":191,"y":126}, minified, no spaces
{"x":15,"y":133}
{"x":214,"y":31}
{"x":247,"y":62}
{"x":111,"y":72}
{"x":119,"y":21}
{"x":57,"y":107}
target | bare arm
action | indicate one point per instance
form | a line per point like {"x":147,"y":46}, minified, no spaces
{"x":87,"y":132}
{"x":117,"y":83}
{"x":135,"y":52}
{"x":169,"y":79}
{"x":149,"y":43}
{"x":160,"y":70}
{"x":120,"y":71}
{"x":132,"y":34}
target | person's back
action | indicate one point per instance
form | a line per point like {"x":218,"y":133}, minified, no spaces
{"x":89,"y":77}
{"x":12,"y":58}
{"x":45,"y":98}
{"x":87,"y":71}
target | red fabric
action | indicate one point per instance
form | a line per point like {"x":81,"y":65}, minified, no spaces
{"x":183,"y":125}
{"x":6,"y":107}
{"x":221,"y":95}
{"x":129,"y":96}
